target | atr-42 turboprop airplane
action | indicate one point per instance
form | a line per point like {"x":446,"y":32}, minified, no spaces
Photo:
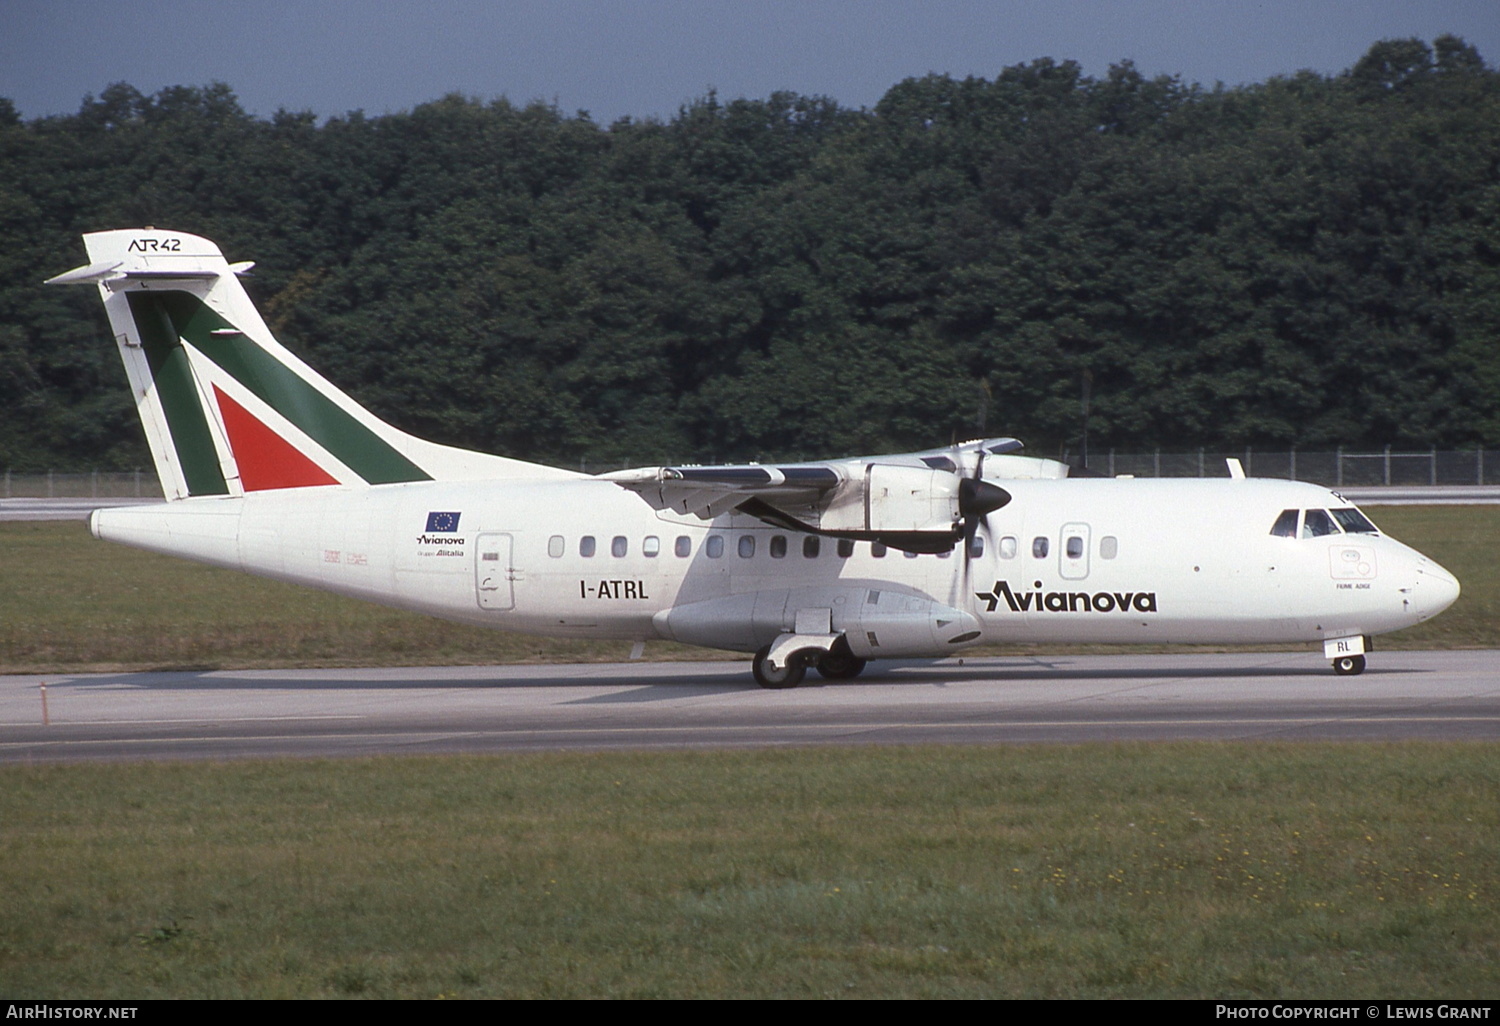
{"x":270,"y":469}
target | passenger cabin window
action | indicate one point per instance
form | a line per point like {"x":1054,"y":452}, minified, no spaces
{"x":1286,"y":525}
{"x":683,"y":546}
{"x":1039,"y":548}
{"x":618,"y":546}
{"x":846,"y":548}
{"x":810,"y":547}
{"x":908,"y":555}
{"x":555,"y":546}
{"x":1109,"y":547}
{"x":1317,"y":523}
{"x":747,"y":546}
{"x":976,"y":546}
{"x":586,"y":546}
{"x":1007,"y":547}
{"x":1074,"y":547}
{"x":1353,"y":521}
{"x":651,"y":547}
{"x":714,"y":547}
{"x":778,"y":546}
{"x":877,"y":549}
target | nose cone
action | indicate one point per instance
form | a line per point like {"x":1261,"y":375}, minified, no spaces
{"x":1436,"y":589}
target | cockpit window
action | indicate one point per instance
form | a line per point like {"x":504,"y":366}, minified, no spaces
{"x":1353,"y":521}
{"x":1317,"y":523}
{"x":1286,"y":525}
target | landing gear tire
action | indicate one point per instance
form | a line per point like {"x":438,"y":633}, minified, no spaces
{"x":789,"y":676}
{"x":1349,"y":666}
{"x":840,"y":666}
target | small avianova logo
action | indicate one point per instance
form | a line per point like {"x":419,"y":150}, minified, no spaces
{"x":1068,"y":601}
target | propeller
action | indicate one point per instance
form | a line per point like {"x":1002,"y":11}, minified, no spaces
{"x":978,"y":498}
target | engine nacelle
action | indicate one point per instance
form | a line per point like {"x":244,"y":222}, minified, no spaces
{"x":895,"y":499}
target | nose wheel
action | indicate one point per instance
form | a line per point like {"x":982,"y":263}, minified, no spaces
{"x":1349,"y":665}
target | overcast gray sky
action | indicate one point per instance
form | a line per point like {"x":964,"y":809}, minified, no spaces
{"x":646,"y":58}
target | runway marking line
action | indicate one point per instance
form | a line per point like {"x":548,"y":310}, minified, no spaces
{"x":705,"y":729}
{"x":195,"y":719}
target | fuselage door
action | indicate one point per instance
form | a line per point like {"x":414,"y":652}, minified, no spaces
{"x":1073,"y":553}
{"x":493,"y":571}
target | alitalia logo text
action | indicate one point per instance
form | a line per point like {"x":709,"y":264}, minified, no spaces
{"x":1039,"y":601}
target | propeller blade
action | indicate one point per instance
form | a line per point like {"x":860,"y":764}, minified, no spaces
{"x":976,"y":500}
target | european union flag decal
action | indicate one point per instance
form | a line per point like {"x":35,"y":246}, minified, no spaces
{"x":442,"y":523}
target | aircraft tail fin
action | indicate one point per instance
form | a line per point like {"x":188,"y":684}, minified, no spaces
{"x":226,"y":408}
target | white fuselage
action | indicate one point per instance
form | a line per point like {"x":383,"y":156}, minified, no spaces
{"x":1080,"y":560}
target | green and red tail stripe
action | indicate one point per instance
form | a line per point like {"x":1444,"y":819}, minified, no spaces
{"x":170,"y":320}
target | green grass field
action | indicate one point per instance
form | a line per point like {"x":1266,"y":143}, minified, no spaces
{"x":1183,"y":870}
{"x":71,"y":602}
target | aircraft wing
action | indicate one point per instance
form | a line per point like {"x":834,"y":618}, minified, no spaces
{"x":913,"y":501}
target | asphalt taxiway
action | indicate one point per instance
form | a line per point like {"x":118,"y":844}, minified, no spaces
{"x":1288,"y":696}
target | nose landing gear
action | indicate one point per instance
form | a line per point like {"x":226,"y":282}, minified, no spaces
{"x":1347,"y":654}
{"x":1349,"y":665}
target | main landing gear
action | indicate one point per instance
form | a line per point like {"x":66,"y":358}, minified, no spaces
{"x":789,"y":676}
{"x":830,"y":665}
{"x":840,"y":666}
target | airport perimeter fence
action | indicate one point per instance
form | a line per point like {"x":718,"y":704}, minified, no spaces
{"x":110,"y":484}
{"x":1337,"y":469}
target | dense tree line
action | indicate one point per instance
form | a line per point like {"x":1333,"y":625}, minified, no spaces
{"x":1309,"y":261}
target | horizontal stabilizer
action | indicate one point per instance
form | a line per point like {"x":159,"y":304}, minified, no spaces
{"x":90,"y":274}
